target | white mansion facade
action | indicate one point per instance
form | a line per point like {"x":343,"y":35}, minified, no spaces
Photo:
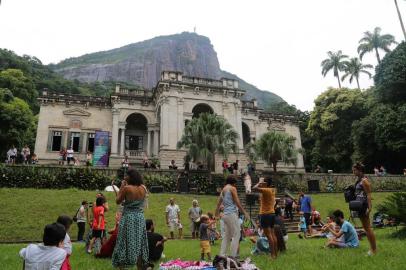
{"x":151,"y":122}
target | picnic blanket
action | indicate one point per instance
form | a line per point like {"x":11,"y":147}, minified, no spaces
{"x":186,"y":265}
{"x":196,"y":265}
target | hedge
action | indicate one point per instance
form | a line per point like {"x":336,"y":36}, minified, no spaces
{"x":88,"y":178}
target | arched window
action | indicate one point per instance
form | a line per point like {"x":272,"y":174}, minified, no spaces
{"x":201,"y":108}
{"x":246,"y":138}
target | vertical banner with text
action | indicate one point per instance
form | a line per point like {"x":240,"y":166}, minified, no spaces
{"x":101,"y":149}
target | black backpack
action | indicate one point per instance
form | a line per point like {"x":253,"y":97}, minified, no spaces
{"x":349,"y":193}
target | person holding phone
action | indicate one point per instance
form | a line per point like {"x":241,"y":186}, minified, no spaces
{"x":132,"y":244}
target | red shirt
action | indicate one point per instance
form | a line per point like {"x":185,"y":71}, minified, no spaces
{"x":97,"y":212}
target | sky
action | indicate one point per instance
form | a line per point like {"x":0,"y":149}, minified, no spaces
{"x":274,"y":45}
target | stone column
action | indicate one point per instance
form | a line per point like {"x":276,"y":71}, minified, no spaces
{"x":149,"y":142}
{"x":122,"y":142}
{"x":165,"y":124}
{"x":238,"y":125}
{"x":114,"y":132}
{"x":156,"y":142}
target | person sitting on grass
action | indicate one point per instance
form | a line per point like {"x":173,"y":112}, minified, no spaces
{"x":346,"y":229}
{"x":66,"y":222}
{"x":107,"y":248}
{"x":302,"y":225}
{"x":316,"y":217}
{"x":204,"y":237}
{"x":49,"y":254}
{"x":98,"y":223}
{"x":155,"y":242}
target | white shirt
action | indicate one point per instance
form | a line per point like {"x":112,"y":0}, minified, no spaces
{"x":69,"y":152}
{"x":40,"y":257}
{"x":172,"y":211}
{"x":67,"y":244}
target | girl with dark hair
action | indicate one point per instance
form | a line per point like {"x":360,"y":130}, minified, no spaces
{"x":363,"y":193}
{"x":132,"y":244}
{"x":229,"y":199}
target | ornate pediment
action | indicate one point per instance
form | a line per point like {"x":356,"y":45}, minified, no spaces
{"x":76,"y":112}
{"x":276,"y":126}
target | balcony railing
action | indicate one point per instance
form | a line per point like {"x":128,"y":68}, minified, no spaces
{"x":135,"y":153}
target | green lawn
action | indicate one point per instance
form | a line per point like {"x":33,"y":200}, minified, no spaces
{"x":25,"y":212}
{"x":301,"y":254}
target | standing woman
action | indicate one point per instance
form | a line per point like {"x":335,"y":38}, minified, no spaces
{"x":229,"y":199}
{"x":267,"y":212}
{"x":363,"y":193}
{"x":132,"y":244}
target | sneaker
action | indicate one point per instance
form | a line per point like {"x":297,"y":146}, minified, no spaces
{"x":370,"y":253}
{"x":88,"y":251}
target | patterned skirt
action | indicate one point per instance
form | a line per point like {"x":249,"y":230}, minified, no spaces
{"x":132,"y":242}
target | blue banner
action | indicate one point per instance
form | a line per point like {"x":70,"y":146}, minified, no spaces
{"x":101,"y":149}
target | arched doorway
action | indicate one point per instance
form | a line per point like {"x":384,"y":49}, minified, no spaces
{"x":136,"y":134}
{"x":246,"y":138}
{"x":201,"y":108}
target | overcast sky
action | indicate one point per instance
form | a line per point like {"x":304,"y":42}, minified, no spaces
{"x":275,"y":45}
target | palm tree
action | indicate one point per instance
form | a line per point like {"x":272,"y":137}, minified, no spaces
{"x":354,"y":68}
{"x":206,"y":136}
{"x":333,"y":62}
{"x":374,"y":41}
{"x":276,"y":146}
{"x":400,"y":19}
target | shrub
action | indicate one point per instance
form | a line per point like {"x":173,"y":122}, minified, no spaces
{"x":52,"y":177}
{"x":395,"y":206}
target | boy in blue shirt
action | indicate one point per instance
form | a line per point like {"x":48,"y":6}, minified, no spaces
{"x":350,"y":235}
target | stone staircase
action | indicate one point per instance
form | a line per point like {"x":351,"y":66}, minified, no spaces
{"x":253,"y":210}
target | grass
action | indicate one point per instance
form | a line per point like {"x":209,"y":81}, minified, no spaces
{"x":301,"y":254}
{"x":25,"y":212}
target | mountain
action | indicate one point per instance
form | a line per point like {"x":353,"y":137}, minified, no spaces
{"x":142,"y":63}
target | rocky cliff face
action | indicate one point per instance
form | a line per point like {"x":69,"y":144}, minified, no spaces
{"x":142,"y":63}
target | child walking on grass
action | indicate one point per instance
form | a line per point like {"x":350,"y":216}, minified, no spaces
{"x":98,"y":224}
{"x":302,"y":225}
{"x":204,"y":237}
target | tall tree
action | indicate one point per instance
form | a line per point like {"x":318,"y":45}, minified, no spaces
{"x":375,"y":41}
{"x":400,"y":19}
{"x":206,"y":136}
{"x":354,"y":68}
{"x":17,"y":122}
{"x":335,"y":62}
{"x":330,"y":127}
{"x":275,"y":146}
{"x":390,"y":76}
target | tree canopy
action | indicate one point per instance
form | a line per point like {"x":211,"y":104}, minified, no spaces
{"x":274,"y":146}
{"x":18,"y":125}
{"x":208,"y":135}
{"x":390,"y":77}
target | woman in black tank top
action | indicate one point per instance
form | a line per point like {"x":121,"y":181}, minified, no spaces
{"x":363,"y":193}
